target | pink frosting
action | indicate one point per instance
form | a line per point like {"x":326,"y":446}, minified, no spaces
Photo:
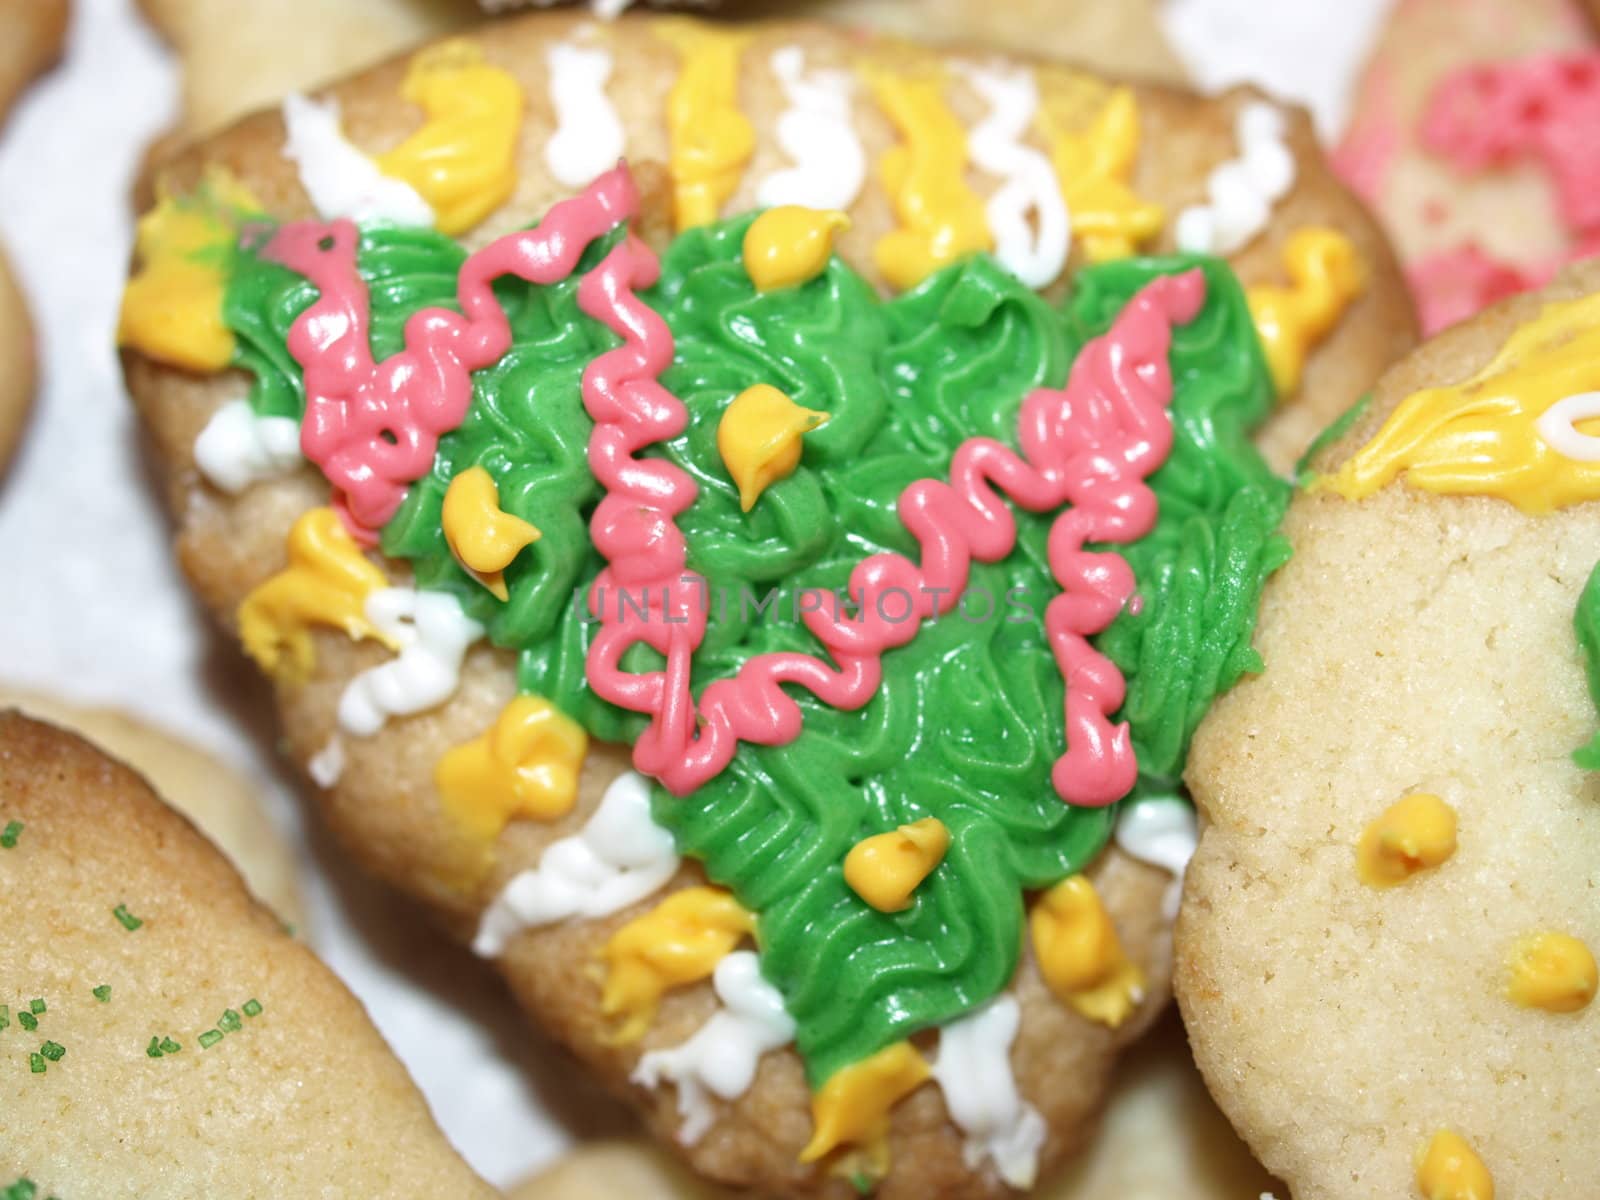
{"x":1091,"y":445}
{"x":1452,"y":285}
{"x":1546,"y":107}
{"x":374,"y":427}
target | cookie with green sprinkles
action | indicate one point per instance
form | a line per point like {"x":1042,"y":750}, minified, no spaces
{"x":209,"y":967}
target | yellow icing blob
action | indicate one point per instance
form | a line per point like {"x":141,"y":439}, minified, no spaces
{"x":678,"y":942}
{"x":525,"y":765}
{"x":483,"y":538}
{"x":463,"y":161}
{"x":790,"y":245}
{"x":759,"y":439}
{"x":711,"y":139}
{"x":1552,"y":971}
{"x":1479,"y":437}
{"x":852,"y":1107}
{"x":885,"y":869}
{"x":1094,"y":167}
{"x":172,"y":307}
{"x":941,"y":217}
{"x":1414,"y":833}
{"x":1325,"y":275}
{"x":327,"y":582}
{"x":1080,"y":955}
{"x":1449,"y":1170}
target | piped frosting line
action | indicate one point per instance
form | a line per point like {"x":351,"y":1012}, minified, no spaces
{"x":1092,"y":444}
{"x":372,"y":427}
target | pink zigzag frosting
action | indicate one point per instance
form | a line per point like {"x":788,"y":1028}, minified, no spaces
{"x":1091,"y":445}
{"x":374,"y":427}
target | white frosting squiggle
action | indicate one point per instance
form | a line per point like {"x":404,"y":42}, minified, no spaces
{"x":818,"y":133}
{"x":1161,"y":831}
{"x":238,"y":448}
{"x":1034,"y":251}
{"x":974,"y":1069}
{"x":433,"y":635}
{"x":1557,"y":425}
{"x":618,"y":858}
{"x":1242,"y":190}
{"x":342,"y":181}
{"x":721,"y":1056}
{"x":326,"y":766}
{"x":589,"y":138}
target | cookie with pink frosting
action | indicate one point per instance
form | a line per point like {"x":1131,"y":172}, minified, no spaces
{"x":743,"y":521}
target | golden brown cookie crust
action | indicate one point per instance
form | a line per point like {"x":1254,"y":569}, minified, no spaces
{"x":18,"y":363}
{"x":305,"y":1090}
{"x":385,"y":809}
{"x":1415,"y":642}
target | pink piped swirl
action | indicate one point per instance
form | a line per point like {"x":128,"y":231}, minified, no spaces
{"x":1090,"y":445}
{"x":373,"y":428}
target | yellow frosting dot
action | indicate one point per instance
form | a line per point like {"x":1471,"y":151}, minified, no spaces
{"x":1447,"y":1169}
{"x":1552,"y":971}
{"x":525,"y":765}
{"x":711,"y":140}
{"x":172,"y":306}
{"x":463,"y":161}
{"x":790,"y":245}
{"x":1481,"y":437}
{"x":1414,"y":833}
{"x":327,"y":582}
{"x":759,"y":439}
{"x":483,"y":538}
{"x":1325,"y":275}
{"x":941,"y":219}
{"x":678,"y":942}
{"x":885,"y":869}
{"x":852,"y":1108}
{"x":1080,"y":955}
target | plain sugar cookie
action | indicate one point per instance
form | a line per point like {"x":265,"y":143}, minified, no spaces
{"x":866,"y":897}
{"x":168,"y":1038}
{"x":224,"y":805}
{"x":1386,"y":950}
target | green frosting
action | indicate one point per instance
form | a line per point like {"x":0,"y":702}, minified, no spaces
{"x":968,"y":721}
{"x":1341,"y":425}
{"x":1586,"y":624}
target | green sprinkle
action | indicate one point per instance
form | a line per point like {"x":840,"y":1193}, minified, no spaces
{"x":168,"y":1046}
{"x":8,"y":836}
{"x":862,"y":1182}
{"x":36,"y":1005}
{"x":154,"y":1048}
{"x":129,"y":921}
{"x":54,"y":1051}
{"x":229,"y":1022}
{"x":252,"y":1008}
{"x":103,"y":993}
{"x":22,"y":1189}
{"x":36,"y":1063}
{"x":5,"y":1016}
{"x":27,"y":1020}
{"x":210,"y":1038}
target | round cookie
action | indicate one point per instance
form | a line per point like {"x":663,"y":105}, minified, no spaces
{"x":18,"y":368}
{"x":166,"y":1035}
{"x":1387,"y":929}
{"x":34,"y":32}
{"x":1465,"y":136}
{"x":444,"y":780}
{"x":222,"y":804}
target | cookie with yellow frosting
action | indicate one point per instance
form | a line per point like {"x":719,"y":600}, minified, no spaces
{"x":224,"y":804}
{"x":166,"y":1036}
{"x":1386,"y":952}
{"x":527,"y":404}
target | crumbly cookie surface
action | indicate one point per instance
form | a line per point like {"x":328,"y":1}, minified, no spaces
{"x":1416,"y":643}
{"x":167,"y":1036}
